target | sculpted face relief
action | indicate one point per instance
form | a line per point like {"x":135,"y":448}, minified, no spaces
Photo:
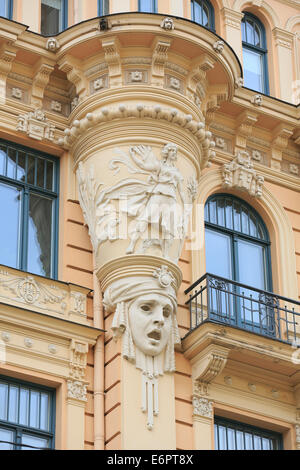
{"x":150,"y":319}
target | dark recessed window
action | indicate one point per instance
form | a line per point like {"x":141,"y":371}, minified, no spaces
{"x":255,"y":62}
{"x":203,"y":13}
{"x":53,"y":16}
{"x":232,"y":435}
{"x":6,"y":8}
{"x":29,"y":206}
{"x":148,"y":6}
{"x":26,"y":416}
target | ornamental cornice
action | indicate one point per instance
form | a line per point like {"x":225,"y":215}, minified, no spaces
{"x":140,"y":111}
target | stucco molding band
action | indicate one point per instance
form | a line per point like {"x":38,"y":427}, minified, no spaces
{"x":143,"y":112}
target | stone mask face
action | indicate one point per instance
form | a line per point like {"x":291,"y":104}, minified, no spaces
{"x":150,"y":319}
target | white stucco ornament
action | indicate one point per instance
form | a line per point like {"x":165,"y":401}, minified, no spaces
{"x":52,"y":45}
{"x":158,"y":205}
{"x":36,"y":125}
{"x":167,"y":24}
{"x":240,"y":173}
{"x":144,"y":315}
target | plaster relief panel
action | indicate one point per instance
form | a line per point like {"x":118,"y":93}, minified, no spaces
{"x":148,"y":205}
{"x":240,"y":173}
{"x":98,"y":84}
{"x":174,"y":83}
{"x":136,"y":76}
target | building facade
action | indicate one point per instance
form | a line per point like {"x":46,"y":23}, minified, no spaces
{"x":150,"y":236}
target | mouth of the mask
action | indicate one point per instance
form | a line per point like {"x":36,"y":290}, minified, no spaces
{"x":155,"y":334}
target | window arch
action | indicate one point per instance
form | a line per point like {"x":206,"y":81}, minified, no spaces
{"x":255,"y":62}
{"x":237,"y":242}
{"x":202,"y":12}
{"x":148,"y":6}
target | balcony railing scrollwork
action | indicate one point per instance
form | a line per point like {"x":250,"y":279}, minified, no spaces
{"x":216,"y":299}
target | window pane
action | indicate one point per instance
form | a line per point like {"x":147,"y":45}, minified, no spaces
{"x":10,"y":210}
{"x":34,"y":409}
{"x":249,"y":32}
{"x":251,"y":264}
{"x":239,"y":440}
{"x":3,"y":401}
{"x":21,"y":169}
{"x":11,"y":163}
{"x":39,"y":235}
{"x":24,"y":406}
{"x":253,"y":70}
{"x":197,"y":13}
{"x":237,"y":216}
{"x":222,"y":438}
{"x":248,"y":441}
{"x":30,"y":169}
{"x":257,"y":443}
{"x":51,"y":17}
{"x":34,"y":441}
{"x":231,"y":439}
{"x":218,"y":254}
{"x":8,"y":438}
{"x":40,"y":175}
{"x":2,"y":160}
{"x":13,"y":404}
{"x":147,"y":6}
{"x":4,"y":8}
{"x":266,"y":444}
{"x":205,"y":16}
{"x":45,"y":410}
{"x":229,"y":214}
{"x":49,"y":176}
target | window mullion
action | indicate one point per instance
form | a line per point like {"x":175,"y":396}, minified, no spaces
{"x":24,"y":234}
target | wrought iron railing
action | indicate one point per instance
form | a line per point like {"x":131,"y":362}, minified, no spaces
{"x":216,"y":299}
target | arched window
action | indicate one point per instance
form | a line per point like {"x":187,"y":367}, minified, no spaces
{"x":254,"y":54}
{"x":203,"y":13}
{"x":6,"y":8}
{"x":237,"y":249}
{"x":148,"y":6}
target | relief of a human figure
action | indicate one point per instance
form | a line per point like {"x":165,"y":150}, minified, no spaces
{"x":152,"y":202}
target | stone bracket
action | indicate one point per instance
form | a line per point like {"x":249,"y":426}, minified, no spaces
{"x":7,"y":57}
{"x":160,"y":49}
{"x":40,"y":81}
{"x":111,"y":48}
{"x":245,"y":122}
{"x":75,"y":75}
{"x":209,"y":363}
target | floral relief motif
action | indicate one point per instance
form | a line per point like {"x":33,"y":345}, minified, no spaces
{"x":77,"y":390}
{"x":202,"y":407}
{"x":30,"y":291}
